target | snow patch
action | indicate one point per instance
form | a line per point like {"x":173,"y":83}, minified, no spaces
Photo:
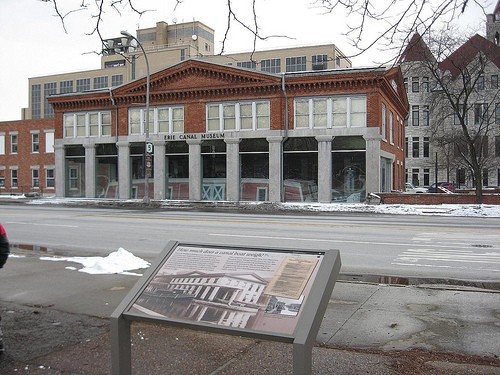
{"x":118,"y":262}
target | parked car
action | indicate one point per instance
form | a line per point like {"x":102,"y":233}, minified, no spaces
{"x":446,"y":185}
{"x":409,"y":188}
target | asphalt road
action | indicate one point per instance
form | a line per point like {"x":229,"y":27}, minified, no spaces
{"x":403,"y":246}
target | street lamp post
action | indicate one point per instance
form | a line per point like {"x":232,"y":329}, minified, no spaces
{"x":147,"y":143}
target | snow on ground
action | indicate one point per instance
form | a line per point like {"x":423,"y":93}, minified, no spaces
{"x":478,"y":210}
{"x":120,"y":261}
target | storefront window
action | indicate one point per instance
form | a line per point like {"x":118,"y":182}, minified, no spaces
{"x":75,"y":171}
{"x":177,"y":173}
{"x":300,"y":170}
{"x":213,"y":155}
{"x":138,"y":180}
{"x":254,"y":169}
{"x":348,"y":169}
{"x":106,"y":171}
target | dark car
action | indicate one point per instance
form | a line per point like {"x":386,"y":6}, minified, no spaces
{"x":446,"y":185}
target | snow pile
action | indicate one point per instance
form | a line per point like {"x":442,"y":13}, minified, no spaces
{"x":121,"y":261}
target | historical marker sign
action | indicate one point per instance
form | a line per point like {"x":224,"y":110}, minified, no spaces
{"x":276,"y":294}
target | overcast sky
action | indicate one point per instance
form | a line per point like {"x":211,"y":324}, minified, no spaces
{"x":34,"y":42}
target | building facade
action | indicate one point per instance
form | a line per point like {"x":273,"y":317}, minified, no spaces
{"x":27,"y":157}
{"x":426,"y":160}
{"x":219,"y":132}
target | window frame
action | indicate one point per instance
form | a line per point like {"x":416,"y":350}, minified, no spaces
{"x":156,"y":120}
{"x":345,"y":111}
{"x":216,"y":119}
{"x":81,"y":126}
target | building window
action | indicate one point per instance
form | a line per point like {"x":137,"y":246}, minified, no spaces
{"x":295,"y":64}
{"x":117,"y":80}
{"x":48,"y":90}
{"x":415,"y":180}
{"x":50,"y":178}
{"x":415,"y":85}
{"x":425,"y":84}
{"x":114,"y":64}
{"x":406,"y":147}
{"x":384,"y":121}
{"x":2,"y":144}
{"x":494,"y":81}
{"x":35,"y":142}
{"x":330,"y":112}
{"x":36,"y":101}
{"x":456,"y":119}
{"x":415,"y":147}
{"x":92,"y":124}
{"x":427,"y":178}
{"x":485,"y":177}
{"x":162,"y":120}
{"x":271,"y":65}
{"x":73,"y":178}
{"x":49,"y":142}
{"x":83,"y":84}
{"x":319,"y":62}
{"x":407,"y":119}
{"x":405,"y":82}
{"x":426,"y":147}
{"x":2,"y":177}
{"x":497,"y":114}
{"x":425,"y":115}
{"x":480,"y":113}
{"x":238,"y":116}
{"x":35,"y":177}
{"x":415,"y":115}
{"x":480,"y":83}
{"x":247,"y":64}
{"x":65,"y":87}
{"x":391,"y":127}
{"x":13,"y":178}
{"x":100,"y":82}
{"x":13,"y":143}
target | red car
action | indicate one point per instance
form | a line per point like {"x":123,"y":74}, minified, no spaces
{"x":446,"y":185}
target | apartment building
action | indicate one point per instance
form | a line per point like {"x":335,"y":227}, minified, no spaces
{"x":424,"y":157}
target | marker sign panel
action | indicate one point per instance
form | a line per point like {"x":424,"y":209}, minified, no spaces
{"x":258,"y":290}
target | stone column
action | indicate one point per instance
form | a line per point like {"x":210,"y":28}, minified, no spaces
{"x":90,"y":170}
{"x":123,"y":169}
{"x":159,"y":170}
{"x":324,"y":168}
{"x":233,"y":169}
{"x":60,"y":172}
{"x":195,"y":169}
{"x":372,"y":164}
{"x":275,"y":168}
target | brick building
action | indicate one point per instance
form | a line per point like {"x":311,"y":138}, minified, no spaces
{"x":218,"y":132}
{"x":27,"y":157}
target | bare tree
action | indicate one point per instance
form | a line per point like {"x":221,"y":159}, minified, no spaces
{"x":399,"y":18}
{"x":462,"y":105}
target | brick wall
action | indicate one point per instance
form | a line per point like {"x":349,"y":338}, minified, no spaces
{"x":437,"y":198}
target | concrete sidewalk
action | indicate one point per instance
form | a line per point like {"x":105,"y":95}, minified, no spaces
{"x":55,"y":321}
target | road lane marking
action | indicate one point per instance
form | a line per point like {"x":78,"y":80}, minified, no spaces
{"x":43,"y":225}
{"x":333,"y":240}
